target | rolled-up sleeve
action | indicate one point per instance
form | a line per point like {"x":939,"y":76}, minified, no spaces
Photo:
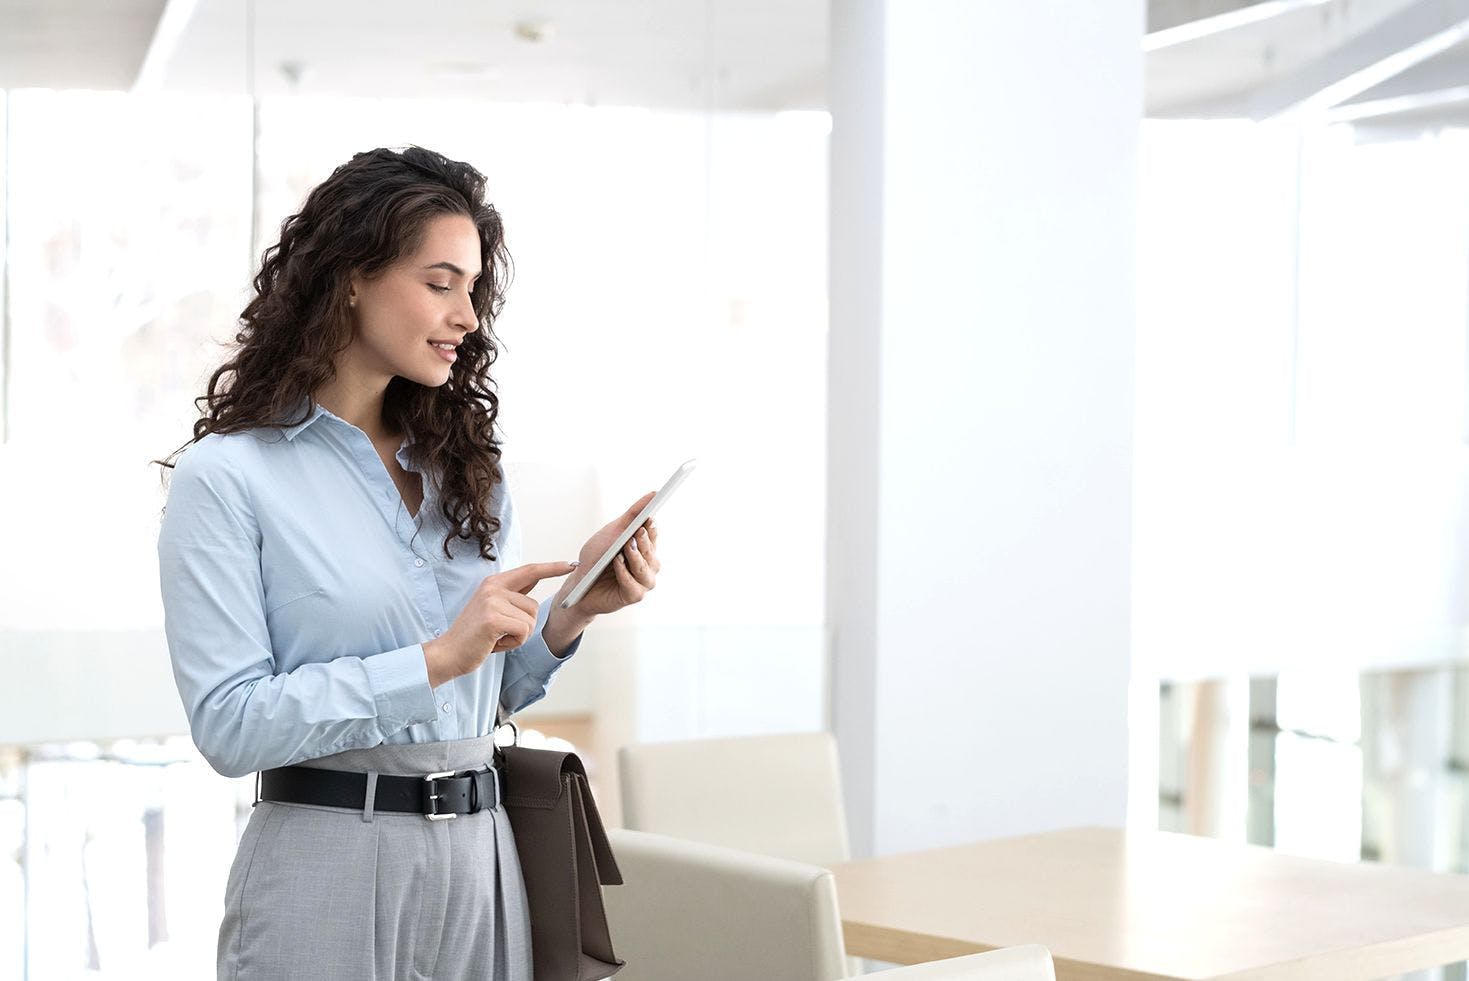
{"x":243,"y":716}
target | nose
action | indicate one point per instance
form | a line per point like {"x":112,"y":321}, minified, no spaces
{"x":464,"y":316}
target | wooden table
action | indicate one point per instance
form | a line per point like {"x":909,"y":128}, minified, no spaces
{"x":1146,"y":907}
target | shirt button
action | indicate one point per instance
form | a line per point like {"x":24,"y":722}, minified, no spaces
{"x":448,"y":707}
{"x":437,"y":631}
{"x":418,"y":562}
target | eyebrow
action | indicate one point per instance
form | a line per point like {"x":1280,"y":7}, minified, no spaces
{"x":449,"y":266}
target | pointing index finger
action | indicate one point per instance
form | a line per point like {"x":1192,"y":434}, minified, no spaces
{"x":523,"y":578}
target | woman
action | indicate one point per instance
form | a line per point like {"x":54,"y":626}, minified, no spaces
{"x":316,"y":631}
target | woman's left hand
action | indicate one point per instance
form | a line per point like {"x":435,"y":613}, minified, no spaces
{"x":633,"y":572}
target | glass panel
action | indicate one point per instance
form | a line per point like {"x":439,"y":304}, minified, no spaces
{"x":1318,"y":798}
{"x":124,"y":279}
{"x":127,"y":847}
{"x":123,"y":274}
{"x":12,"y":870}
{"x":1342,"y":766}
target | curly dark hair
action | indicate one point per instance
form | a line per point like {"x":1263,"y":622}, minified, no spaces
{"x":372,"y":211}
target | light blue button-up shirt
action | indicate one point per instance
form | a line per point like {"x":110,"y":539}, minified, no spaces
{"x":298,"y":593}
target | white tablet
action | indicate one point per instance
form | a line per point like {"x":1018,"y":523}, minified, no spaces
{"x":650,"y":509}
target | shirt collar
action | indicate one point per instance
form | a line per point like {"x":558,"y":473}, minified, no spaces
{"x":405,"y":455}
{"x":317,"y":411}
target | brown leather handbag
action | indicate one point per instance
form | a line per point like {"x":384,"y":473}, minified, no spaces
{"x":565,"y":859}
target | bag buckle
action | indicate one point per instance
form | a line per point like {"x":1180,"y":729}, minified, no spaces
{"x":433,"y":796}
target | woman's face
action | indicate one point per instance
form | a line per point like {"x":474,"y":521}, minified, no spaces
{"x":419,"y":299}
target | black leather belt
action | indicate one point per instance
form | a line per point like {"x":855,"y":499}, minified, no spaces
{"x":437,"y":796}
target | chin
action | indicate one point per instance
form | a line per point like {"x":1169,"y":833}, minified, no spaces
{"x":431,"y":377}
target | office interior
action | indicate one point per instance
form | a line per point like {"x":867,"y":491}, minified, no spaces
{"x":1080,"y":393}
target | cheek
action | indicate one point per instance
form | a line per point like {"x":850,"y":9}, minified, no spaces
{"x":396,"y":323}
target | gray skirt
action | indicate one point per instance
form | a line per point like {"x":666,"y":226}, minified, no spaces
{"x":330,"y":892}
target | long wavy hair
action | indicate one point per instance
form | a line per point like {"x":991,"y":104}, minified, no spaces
{"x":372,"y":211}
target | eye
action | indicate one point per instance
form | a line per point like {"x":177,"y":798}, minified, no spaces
{"x":437,"y":288}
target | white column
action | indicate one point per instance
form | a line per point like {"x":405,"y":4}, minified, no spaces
{"x":984,"y":161}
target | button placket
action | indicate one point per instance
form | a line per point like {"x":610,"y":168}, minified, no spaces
{"x":376,"y":475}
{"x":430,"y":594}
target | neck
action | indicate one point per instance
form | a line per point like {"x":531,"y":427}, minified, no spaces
{"x":358,"y":401}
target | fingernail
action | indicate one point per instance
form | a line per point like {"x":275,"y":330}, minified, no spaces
{"x":575,"y":564}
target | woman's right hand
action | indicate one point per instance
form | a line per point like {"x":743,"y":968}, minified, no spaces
{"x":499,"y":616}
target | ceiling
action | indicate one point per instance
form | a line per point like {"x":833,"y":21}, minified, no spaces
{"x":1391,"y":63}
{"x":1213,"y":64}
{"x":1399,"y":64}
{"x":88,"y":45}
{"x":664,"y":53}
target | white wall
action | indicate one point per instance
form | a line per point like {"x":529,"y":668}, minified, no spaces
{"x":983,"y":196}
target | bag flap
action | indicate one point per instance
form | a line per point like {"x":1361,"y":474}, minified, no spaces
{"x":533,"y":776}
{"x":607,"y":871}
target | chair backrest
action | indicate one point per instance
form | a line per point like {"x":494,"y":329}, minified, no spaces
{"x":1030,"y":962}
{"x":777,"y":795}
{"x":687,"y":910}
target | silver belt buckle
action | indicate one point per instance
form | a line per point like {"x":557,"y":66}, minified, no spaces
{"x":434,"y":797}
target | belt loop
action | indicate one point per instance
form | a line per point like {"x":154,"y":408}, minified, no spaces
{"x":369,"y":800}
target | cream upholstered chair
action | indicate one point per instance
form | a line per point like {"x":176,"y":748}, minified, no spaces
{"x":1027,"y":963}
{"x":777,"y":795}
{"x":688,"y":910}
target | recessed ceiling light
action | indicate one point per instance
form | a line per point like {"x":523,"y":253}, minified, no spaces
{"x":294,"y":72}
{"x":463,"y":69}
{"x":535,"y":31}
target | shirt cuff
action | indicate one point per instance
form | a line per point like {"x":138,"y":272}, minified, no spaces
{"x":400,"y":688}
{"x":534,"y":656}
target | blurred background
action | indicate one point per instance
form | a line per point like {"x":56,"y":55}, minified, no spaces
{"x":1092,"y":432}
